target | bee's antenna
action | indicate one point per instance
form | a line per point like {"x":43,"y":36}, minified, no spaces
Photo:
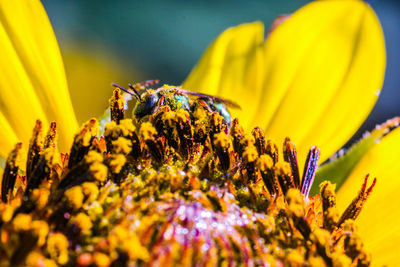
{"x":126,"y":90}
{"x":136,"y":92}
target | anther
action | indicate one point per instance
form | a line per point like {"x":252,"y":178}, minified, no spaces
{"x":354,"y":209}
{"x":117,"y":103}
{"x":290,"y":156}
{"x":50,"y":139}
{"x":259,"y":140}
{"x":10,"y":172}
{"x":310,"y":169}
{"x":35,"y":148}
{"x":272,"y":150}
{"x":283,"y":173}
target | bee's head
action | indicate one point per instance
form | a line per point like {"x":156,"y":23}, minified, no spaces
{"x":146,"y":106}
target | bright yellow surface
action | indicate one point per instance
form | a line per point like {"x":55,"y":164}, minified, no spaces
{"x":32,"y":79}
{"x":90,"y":74}
{"x":379,"y":220}
{"x":315,"y":78}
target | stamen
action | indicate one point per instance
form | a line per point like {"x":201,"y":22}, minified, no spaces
{"x":309,"y":170}
{"x":259,"y":140}
{"x":237,"y":133}
{"x":222,"y":145}
{"x":290,"y":155}
{"x":265,"y":164}
{"x":10,"y":173}
{"x":82,"y":142}
{"x":117,"y":103}
{"x":283,"y":173}
{"x":330,"y":212}
{"x":272,"y":151}
{"x":354,"y":209}
{"x":50,"y":139}
{"x":35,"y":148}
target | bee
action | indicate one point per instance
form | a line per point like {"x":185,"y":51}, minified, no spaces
{"x":151,"y":100}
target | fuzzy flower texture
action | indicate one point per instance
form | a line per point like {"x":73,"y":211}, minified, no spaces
{"x":204,"y":174}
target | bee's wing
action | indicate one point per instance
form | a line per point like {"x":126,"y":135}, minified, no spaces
{"x":224,"y":101}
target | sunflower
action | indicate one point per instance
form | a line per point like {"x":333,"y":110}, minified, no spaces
{"x":315,"y":78}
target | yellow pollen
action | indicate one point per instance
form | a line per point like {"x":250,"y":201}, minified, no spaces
{"x":127,"y":126}
{"x":22,"y":222}
{"x":182,"y":115}
{"x":117,"y":101}
{"x":117,"y":162}
{"x":217,"y":119}
{"x":250,"y":153}
{"x":90,"y":190}
{"x":75,"y":196}
{"x":83,"y":221}
{"x":295,"y":202}
{"x":122,"y":145}
{"x":101,"y":259}
{"x":57,"y":246}
{"x":99,"y":171}
{"x":340,"y":260}
{"x":167,"y":86}
{"x":200,"y":113}
{"x":41,"y":229}
{"x":295,"y":258}
{"x":40,"y":196}
{"x":93,"y":156}
{"x":110,"y":128}
{"x":247,"y":140}
{"x":282,"y":168}
{"x":265,"y":163}
{"x":169,"y":117}
{"x":350,"y":226}
{"x":329,"y":189}
{"x":6,"y":212}
{"x":147,"y":130}
{"x":321,"y":236}
{"x":221,"y":140}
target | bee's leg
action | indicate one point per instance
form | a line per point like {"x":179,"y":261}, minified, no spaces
{"x":205,"y":105}
{"x":160,"y":103}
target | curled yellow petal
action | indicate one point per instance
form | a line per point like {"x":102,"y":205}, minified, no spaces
{"x":32,"y":78}
{"x":379,"y":220}
{"x":315,"y":79}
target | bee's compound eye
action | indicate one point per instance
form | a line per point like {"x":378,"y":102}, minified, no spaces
{"x":151,"y":101}
{"x":147,"y":106}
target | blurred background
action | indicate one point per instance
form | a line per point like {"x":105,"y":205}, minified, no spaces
{"x":131,"y":41}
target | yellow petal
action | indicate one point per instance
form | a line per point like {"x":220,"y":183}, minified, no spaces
{"x":32,"y":78}
{"x":232,"y":67}
{"x":321,"y":73}
{"x":379,"y":220}
{"x":7,"y":137}
{"x":82,"y":83}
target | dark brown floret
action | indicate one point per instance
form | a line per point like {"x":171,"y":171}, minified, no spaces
{"x":290,"y":156}
{"x":117,"y":106}
{"x":10,"y":172}
{"x":35,"y":148}
{"x":354,"y":209}
{"x":310,"y":169}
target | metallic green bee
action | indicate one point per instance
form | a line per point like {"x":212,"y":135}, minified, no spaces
{"x":175,"y":97}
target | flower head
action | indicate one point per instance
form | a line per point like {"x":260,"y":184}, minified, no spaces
{"x":189,"y":185}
